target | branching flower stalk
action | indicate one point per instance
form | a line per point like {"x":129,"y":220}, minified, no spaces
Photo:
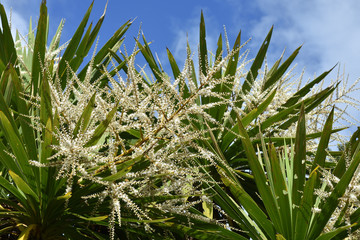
{"x":149,"y":131}
{"x":138,"y":139}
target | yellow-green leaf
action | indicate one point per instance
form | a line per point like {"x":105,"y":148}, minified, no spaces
{"x":208,"y":209}
{"x":64,"y":197}
{"x":22,"y":185}
{"x":26,"y":233}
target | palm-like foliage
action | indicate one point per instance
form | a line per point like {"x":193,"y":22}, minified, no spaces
{"x":163,"y":154}
{"x":256,"y":198}
{"x":34,"y":201}
{"x":294,"y":203}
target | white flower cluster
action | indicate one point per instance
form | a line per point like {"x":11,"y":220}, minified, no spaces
{"x":132,"y":124}
{"x":139,"y":139}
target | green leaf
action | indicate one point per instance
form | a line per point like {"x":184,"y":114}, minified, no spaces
{"x":7,"y":160}
{"x":305,"y":211}
{"x":203,"y":49}
{"x":124,"y":168}
{"x":17,"y":147}
{"x":234,"y":211}
{"x":81,"y":50}
{"x":47,"y":141}
{"x":39,"y":49}
{"x":64,"y":197}
{"x":305,"y":90}
{"x":233,"y":62}
{"x":324,"y":142}
{"x":280,"y":190}
{"x":173,"y":64}
{"x":55,"y":42}
{"x":184,"y":90}
{"x":260,"y":178}
{"x":280,"y":237}
{"x":256,"y":65}
{"x":4,"y":106}
{"x":22,"y":185}
{"x":45,"y":104}
{"x":113,"y":44}
{"x":99,"y":131}
{"x":25,"y":122}
{"x":149,"y":57}
{"x":317,"y":99}
{"x":211,"y":232}
{"x":86,"y":43}
{"x":159,"y":199}
{"x":248,"y":118}
{"x":310,"y":102}
{"x":208,"y":209}
{"x":9,"y":187}
{"x":84,"y":119}
{"x":72,"y":47}
{"x":218,"y":57}
{"x":92,"y":219}
{"x":274,"y":77}
{"x":279,"y":141}
{"x":349,"y":150}
{"x":7,"y":230}
{"x":147,"y":221}
{"x":25,"y":234}
{"x":7,"y":47}
{"x":334,"y":233}
{"x":226,"y":89}
{"x":333,"y":200}
{"x":299,"y":159}
{"x":250,"y":206}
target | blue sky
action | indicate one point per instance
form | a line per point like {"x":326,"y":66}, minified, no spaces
{"x":329,"y":29}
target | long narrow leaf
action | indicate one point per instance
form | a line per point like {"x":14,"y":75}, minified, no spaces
{"x":299,"y":159}
{"x":22,"y":185}
{"x":73,"y":45}
{"x":332,"y":201}
{"x":99,"y":131}
{"x":39,"y":49}
{"x":260,"y":178}
{"x":22,"y":158}
{"x":256,"y":65}
{"x":281,"y":70}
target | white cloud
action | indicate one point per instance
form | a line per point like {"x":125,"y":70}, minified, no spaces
{"x":20,"y":12}
{"x":18,"y":23}
{"x":328,"y":30}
